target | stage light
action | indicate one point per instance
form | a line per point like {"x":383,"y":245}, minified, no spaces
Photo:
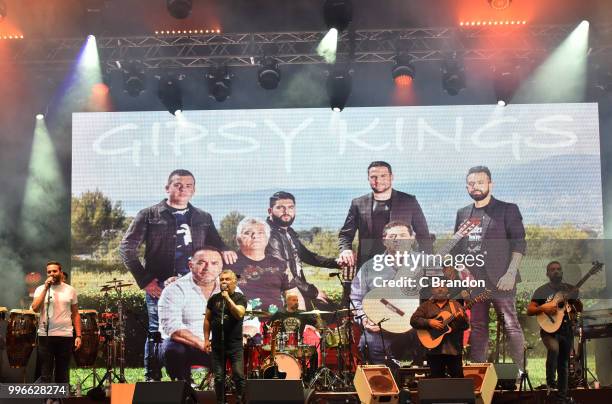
{"x":339,"y":84}
{"x":170,"y":94}
{"x":269,"y":74}
{"x":3,"y":10}
{"x":179,"y":9}
{"x":404,"y":71}
{"x":338,"y":14}
{"x":219,"y":83}
{"x":40,"y":117}
{"x":500,"y":4}
{"x":453,"y":76}
{"x":134,"y":78}
{"x":505,"y":84}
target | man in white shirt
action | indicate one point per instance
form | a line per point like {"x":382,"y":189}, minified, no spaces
{"x":57,"y":303}
{"x":182,"y":306}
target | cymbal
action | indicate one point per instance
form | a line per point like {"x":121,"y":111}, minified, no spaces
{"x":345,"y":310}
{"x":256,"y":313}
{"x":114,"y":281}
{"x":316,"y":312}
{"x":107,"y":288}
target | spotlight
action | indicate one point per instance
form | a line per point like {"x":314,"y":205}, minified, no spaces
{"x":338,"y":13}
{"x":505,"y":84}
{"x":500,"y":4}
{"x":40,"y":117}
{"x":134,"y":78}
{"x":219,"y":83}
{"x":3,"y":10}
{"x":179,"y":8}
{"x":269,"y":74}
{"x":453,"y":76}
{"x":403,"y":72}
{"x":339,"y":85}
{"x":170,"y":94}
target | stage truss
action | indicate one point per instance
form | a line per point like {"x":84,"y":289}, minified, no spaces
{"x":183,"y":51}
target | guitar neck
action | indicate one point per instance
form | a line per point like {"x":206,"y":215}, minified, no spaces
{"x":583,"y":280}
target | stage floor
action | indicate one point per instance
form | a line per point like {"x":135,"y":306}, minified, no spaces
{"x":583,"y":396}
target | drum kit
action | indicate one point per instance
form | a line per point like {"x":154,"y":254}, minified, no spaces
{"x":290,"y":355}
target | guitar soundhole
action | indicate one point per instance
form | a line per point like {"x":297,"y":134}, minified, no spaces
{"x":560,"y":305}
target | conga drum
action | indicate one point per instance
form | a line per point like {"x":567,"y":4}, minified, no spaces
{"x":20,"y":337}
{"x":90,"y":339}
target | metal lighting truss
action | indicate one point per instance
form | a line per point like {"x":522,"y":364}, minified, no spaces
{"x":182,"y":51}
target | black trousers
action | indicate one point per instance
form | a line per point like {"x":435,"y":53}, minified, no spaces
{"x":179,"y":358}
{"x":54,"y":358}
{"x":236,"y":358}
{"x":442,"y":364}
{"x":558,"y":347}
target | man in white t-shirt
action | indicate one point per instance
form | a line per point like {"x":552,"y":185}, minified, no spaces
{"x":56,"y":302}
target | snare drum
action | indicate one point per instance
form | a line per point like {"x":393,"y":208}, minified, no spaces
{"x":90,"y":339}
{"x":286,"y":364}
{"x":20,"y":337}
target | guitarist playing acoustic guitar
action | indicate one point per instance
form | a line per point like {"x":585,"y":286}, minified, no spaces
{"x":445,"y":358}
{"x":558,"y":343}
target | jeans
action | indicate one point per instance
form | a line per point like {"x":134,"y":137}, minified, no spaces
{"x":219,"y":359}
{"x":558,"y":347}
{"x":178,"y":359}
{"x":151,"y":363}
{"x":443,"y":364}
{"x":479,"y":337}
{"x":54,"y":355}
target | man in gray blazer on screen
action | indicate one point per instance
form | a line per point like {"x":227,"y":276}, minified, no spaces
{"x":370,"y":213}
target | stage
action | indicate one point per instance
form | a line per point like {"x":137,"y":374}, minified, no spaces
{"x":532,"y":397}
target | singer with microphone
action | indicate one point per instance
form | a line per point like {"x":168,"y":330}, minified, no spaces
{"x":59,"y":328}
{"x":224,"y":314}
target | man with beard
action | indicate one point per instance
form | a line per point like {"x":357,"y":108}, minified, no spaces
{"x":500,"y":240}
{"x":398,"y":237}
{"x":558,"y":344}
{"x":446,"y":357}
{"x":171,"y":231}
{"x":263,"y":278}
{"x":370,"y":213}
{"x":56,"y":302}
{"x":285,"y":244}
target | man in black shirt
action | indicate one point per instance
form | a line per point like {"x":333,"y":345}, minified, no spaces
{"x":559,"y":343}
{"x":446,"y":357}
{"x":224,"y":314}
{"x":290,"y":318}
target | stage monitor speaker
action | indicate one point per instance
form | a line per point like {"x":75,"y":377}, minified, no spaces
{"x":375,"y":384}
{"x":485,"y":380}
{"x":164,"y":393}
{"x":506,"y":375}
{"x":448,"y":390}
{"x":263,"y":391}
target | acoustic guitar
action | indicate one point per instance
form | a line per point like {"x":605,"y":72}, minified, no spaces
{"x":551,"y":322}
{"x":394,"y":304}
{"x":431,"y":338}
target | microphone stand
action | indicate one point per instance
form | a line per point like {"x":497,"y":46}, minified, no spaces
{"x":223,"y":359}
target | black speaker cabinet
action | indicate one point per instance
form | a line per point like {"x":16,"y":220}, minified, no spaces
{"x":164,"y":393}
{"x":265,"y":391}
{"x":436,"y":391}
{"x":506,"y":375}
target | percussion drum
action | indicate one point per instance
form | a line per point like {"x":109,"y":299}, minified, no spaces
{"x":20,"y":337}
{"x":338,"y":336}
{"x":286,"y":364}
{"x":90,"y":339}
